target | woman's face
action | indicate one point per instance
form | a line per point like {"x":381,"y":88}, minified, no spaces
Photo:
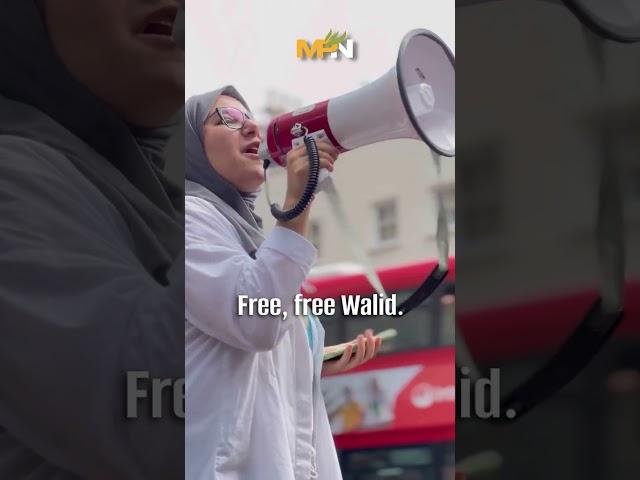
{"x":230,"y":152}
{"x":123,"y":52}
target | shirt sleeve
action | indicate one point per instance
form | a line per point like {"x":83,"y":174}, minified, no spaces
{"x":218,"y":270}
{"x":77,"y":312}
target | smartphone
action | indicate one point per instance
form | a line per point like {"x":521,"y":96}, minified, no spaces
{"x":337,"y":350}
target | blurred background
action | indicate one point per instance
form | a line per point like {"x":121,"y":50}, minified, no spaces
{"x":394,"y":417}
{"x":543,"y":105}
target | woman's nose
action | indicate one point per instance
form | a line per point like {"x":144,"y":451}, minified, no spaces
{"x":251,"y":128}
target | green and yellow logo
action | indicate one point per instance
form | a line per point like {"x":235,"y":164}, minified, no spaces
{"x":333,"y":44}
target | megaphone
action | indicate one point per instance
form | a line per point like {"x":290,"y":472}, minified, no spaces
{"x":414,"y":99}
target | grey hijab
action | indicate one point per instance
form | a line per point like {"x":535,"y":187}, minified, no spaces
{"x":32,"y":74}
{"x":203,"y":181}
{"x":91,"y":274}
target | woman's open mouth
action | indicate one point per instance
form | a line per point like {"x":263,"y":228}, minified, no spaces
{"x":252,"y":152}
{"x":158,"y":26}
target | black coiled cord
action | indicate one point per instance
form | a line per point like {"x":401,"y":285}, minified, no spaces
{"x":309,"y":190}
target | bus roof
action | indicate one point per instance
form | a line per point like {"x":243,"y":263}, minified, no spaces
{"x":401,"y":277}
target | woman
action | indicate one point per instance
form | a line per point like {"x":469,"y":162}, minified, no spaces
{"x":253,"y":400}
{"x":91,"y":238}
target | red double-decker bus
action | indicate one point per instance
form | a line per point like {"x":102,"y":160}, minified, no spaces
{"x":594,"y":418}
{"x":394,"y":417}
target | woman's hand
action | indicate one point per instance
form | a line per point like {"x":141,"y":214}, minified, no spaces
{"x":298,"y":167}
{"x":367,"y":348}
{"x":297,"y":177}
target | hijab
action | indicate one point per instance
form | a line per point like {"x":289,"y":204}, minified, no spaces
{"x":125,"y":163}
{"x":205,"y":182}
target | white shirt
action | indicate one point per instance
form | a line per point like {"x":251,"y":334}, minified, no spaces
{"x":254,"y":407}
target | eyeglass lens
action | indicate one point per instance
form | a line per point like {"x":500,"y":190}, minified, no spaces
{"x":232,"y":117}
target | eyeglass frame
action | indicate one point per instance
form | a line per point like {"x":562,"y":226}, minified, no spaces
{"x":218,"y":110}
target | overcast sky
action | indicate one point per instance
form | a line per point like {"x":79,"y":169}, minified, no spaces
{"x":252,"y":43}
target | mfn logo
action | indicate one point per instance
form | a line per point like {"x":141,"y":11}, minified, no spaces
{"x":333,"y":44}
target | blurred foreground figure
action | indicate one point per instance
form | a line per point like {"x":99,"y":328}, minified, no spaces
{"x":91,"y":238}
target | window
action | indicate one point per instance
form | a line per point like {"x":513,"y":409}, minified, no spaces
{"x":432,"y":324}
{"x":419,"y":462}
{"x":624,"y":155}
{"x":482,"y":211}
{"x":630,"y":182}
{"x":386,"y":223}
{"x":447,"y":193}
{"x":315,"y":234}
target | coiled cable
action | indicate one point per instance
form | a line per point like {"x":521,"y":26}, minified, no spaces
{"x":310,"y":188}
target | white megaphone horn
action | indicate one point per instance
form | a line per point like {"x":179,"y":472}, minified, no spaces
{"x":414,"y":99}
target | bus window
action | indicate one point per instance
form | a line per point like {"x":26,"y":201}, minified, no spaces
{"x":430,"y":325}
{"x":420,"y":462}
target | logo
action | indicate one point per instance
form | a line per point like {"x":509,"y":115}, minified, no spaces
{"x":334,"y":45}
{"x":425,"y":395}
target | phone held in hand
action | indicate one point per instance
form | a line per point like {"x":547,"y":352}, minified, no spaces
{"x":334,"y":351}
